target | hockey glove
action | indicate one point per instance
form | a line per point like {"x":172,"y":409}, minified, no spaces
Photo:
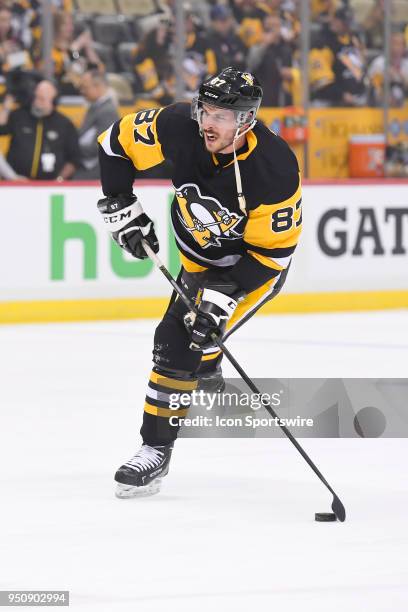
{"x":128,"y":224}
{"x":217,"y":304}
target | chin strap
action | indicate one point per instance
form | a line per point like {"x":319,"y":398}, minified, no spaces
{"x":238,"y":181}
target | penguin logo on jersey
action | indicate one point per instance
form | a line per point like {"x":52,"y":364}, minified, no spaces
{"x":204,"y":218}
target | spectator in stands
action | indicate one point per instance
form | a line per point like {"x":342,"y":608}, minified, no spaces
{"x":44,"y":143}
{"x":271,"y":7}
{"x":5,"y":33}
{"x":12,"y":52}
{"x":154,"y":59}
{"x":197,"y":45}
{"x":251,"y":13}
{"x":249,"y":17}
{"x":26,"y":18}
{"x":337,"y":64}
{"x":271,"y":62}
{"x":101,"y":113}
{"x":398,"y":74}
{"x":373,"y":26}
{"x":153,"y":63}
{"x":287,"y":11}
{"x":322,"y":11}
{"x":226,"y":46}
{"x":72,"y":56}
{"x":8,"y":39}
{"x":291,"y":26}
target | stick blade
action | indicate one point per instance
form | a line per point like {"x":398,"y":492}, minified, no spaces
{"x":338,"y":509}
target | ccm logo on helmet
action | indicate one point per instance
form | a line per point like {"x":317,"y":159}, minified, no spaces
{"x":115,"y":218}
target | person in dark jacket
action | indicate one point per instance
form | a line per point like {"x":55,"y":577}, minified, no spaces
{"x":226,"y":45}
{"x":44,"y":143}
{"x":101,"y":113}
{"x":271,"y":61}
{"x":337,"y":64}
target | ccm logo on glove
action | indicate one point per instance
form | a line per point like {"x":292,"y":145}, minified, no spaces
{"x":128,"y":224}
{"x":117,"y":219}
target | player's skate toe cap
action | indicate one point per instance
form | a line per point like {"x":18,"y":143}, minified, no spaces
{"x":125,"y":475}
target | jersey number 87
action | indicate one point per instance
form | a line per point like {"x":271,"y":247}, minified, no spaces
{"x":282,"y":219}
{"x":142,"y":122}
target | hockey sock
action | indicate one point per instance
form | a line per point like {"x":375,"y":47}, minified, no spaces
{"x":167,"y":401}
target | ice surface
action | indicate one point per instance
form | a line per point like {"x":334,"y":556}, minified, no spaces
{"x":233,"y":527}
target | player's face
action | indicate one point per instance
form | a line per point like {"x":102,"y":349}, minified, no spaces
{"x":219,"y":127}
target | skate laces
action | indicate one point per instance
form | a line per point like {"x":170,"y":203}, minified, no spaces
{"x":146,"y":457}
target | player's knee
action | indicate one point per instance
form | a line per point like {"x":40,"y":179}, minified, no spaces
{"x":171,"y":350}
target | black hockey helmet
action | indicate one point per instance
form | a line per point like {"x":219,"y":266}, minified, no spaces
{"x":231,"y":89}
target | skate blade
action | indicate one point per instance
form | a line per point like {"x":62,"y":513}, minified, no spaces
{"x":124,"y":491}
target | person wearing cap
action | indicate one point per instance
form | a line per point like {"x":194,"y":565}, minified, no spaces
{"x":236,"y":217}
{"x":337,"y":64}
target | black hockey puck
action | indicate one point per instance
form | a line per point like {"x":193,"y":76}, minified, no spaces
{"x":325,"y":517}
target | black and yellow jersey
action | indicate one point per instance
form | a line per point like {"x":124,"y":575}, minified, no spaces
{"x":210,"y":229}
{"x":337,"y":66}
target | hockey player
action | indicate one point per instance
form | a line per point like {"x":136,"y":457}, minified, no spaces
{"x":236,"y":217}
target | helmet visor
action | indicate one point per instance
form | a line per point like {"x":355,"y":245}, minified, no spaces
{"x":204,"y":112}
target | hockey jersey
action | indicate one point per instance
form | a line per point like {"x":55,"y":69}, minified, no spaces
{"x":210,"y":229}
{"x":336,"y":67}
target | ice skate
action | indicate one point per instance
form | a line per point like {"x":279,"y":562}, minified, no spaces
{"x":141,"y":476}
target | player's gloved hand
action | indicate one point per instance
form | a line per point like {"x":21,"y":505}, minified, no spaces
{"x":217,"y":304}
{"x":128,"y":224}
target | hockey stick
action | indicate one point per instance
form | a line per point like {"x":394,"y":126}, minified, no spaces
{"x":337,"y":505}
